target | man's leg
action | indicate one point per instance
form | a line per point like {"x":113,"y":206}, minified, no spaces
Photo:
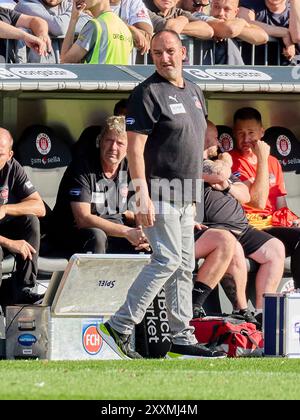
{"x":217,"y":248}
{"x":164,"y":238}
{"x":27,"y":228}
{"x":91,"y":240}
{"x":271,"y":257}
{"x":291,"y":240}
{"x":236,"y":279}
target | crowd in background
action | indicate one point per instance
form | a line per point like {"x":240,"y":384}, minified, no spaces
{"x":106,"y":32}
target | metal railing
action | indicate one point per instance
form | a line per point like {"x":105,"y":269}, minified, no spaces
{"x":268,"y":54}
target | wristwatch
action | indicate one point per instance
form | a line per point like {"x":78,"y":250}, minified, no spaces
{"x":226,"y":190}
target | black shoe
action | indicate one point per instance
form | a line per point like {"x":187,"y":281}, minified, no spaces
{"x":198,"y":312}
{"x":120,"y":343}
{"x":193,"y":351}
{"x":248,"y":316}
{"x":259,"y":320}
{"x":27,"y":296}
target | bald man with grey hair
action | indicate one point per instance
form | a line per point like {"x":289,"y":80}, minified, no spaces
{"x":20,"y":207}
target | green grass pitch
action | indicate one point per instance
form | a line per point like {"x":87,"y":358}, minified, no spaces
{"x":151,"y":379}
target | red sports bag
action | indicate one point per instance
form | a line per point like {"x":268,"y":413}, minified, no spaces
{"x":235,"y":337}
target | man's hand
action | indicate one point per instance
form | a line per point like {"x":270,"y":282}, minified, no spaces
{"x":145,"y":215}
{"x":289,"y":50}
{"x":137,"y":238}
{"x":78,"y":7}
{"x":36,"y":43}
{"x":20,"y":247}
{"x":261,"y":150}
{"x":140,"y":41}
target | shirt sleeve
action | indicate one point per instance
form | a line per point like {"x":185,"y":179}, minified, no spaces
{"x":143,"y":111}
{"x":23,"y":187}
{"x":14,"y":17}
{"x":187,"y":14}
{"x":87,"y":37}
{"x":240,"y":169}
{"x":158,"y":22}
{"x":80,"y":189}
{"x":138,"y":13}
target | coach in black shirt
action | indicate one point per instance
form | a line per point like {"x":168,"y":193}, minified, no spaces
{"x":166,"y":127}
{"x":20,"y":205}
{"x":90,"y":214}
{"x":10,"y":24}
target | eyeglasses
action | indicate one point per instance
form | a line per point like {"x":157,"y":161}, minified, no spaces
{"x":200,"y":4}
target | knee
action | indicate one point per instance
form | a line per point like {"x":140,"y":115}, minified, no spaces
{"x":32,"y":224}
{"x":276,"y":250}
{"x":95,"y":240}
{"x":167,"y":263}
{"x":225,"y":242}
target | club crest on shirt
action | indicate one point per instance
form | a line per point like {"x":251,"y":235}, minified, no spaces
{"x":197,"y":102}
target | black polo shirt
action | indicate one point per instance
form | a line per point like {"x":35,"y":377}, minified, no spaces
{"x":222,"y":210}
{"x":85,"y":182}
{"x":15,"y":185}
{"x":174,"y":120}
{"x":11,"y":17}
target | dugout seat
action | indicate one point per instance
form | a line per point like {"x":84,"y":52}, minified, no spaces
{"x":87,"y":142}
{"x":45,"y":156}
{"x":286,"y":148}
{"x":225,"y":136}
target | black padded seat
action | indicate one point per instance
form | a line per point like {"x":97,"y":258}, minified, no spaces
{"x":225,"y":136}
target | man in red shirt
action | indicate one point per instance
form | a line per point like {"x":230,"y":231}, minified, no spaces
{"x":263,"y":175}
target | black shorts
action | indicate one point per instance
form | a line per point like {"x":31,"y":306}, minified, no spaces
{"x":251,"y":239}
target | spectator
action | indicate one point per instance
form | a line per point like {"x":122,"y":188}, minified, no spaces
{"x":196,"y":7}
{"x":11,"y":23}
{"x":20,"y":207}
{"x":280,"y":19}
{"x":90,"y":212}
{"x":57,"y":13}
{"x":165,"y":15}
{"x":223,"y":194}
{"x":166,"y":126}
{"x":7,"y":4}
{"x":104,"y":40}
{"x":263,"y":176}
{"x":134,"y":13}
{"x":228,"y":29}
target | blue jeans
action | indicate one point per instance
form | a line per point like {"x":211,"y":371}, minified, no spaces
{"x":171,"y":265}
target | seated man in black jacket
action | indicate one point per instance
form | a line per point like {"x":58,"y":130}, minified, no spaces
{"x":20,"y":207}
{"x":90,"y":214}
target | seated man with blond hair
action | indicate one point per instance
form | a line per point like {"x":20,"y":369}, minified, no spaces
{"x":90,"y":214}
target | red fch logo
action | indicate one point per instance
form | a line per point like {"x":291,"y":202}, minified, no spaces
{"x":91,"y":340}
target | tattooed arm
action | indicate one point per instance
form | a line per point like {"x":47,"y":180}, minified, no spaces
{"x":215,"y":172}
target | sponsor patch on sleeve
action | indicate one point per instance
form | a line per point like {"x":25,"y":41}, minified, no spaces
{"x":28,"y":185}
{"x":75,"y":192}
{"x":130,"y":121}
